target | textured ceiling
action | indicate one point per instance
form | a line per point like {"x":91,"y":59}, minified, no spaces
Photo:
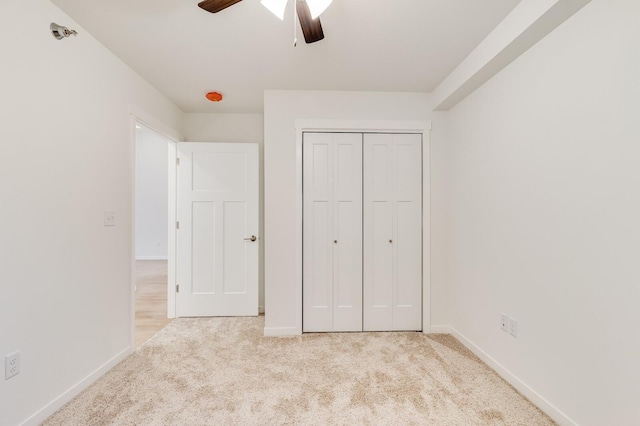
{"x":376,"y":45}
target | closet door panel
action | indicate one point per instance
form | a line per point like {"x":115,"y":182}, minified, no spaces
{"x":379,"y":167}
{"x":347,"y":246}
{"x":393,"y":277}
{"x":320,"y":260}
{"x":407,"y":303}
{"x":378,"y":232}
{"x":317,"y":255}
{"x":346,"y":270}
{"x":378,"y":289}
{"x":407,"y":252}
{"x":332,"y":232}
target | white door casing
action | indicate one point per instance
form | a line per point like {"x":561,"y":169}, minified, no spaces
{"x":217,"y":261}
{"x":392,"y":232}
{"x":292,"y":325}
{"x":332,"y":221}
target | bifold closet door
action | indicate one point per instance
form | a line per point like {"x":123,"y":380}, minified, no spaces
{"x":392,"y":232}
{"x":332,"y":232}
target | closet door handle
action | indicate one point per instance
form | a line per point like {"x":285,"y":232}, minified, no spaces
{"x":390,"y":241}
{"x":252,"y":238}
{"x":335,"y":241}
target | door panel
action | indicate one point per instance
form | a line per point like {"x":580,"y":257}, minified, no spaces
{"x":408,"y":233}
{"x":347,"y":229}
{"x":346,"y":270}
{"x":378,"y":161}
{"x":230,"y":173}
{"x":317,"y":255}
{"x":217,"y":269}
{"x":332,"y":232}
{"x":203,"y":247}
{"x":320,"y":254}
{"x":234,"y":267}
{"x":406,"y":253}
{"x":393,"y":232}
{"x":378,"y":266}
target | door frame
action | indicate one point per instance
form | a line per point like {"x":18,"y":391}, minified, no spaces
{"x":370,"y":126}
{"x":137,"y":116}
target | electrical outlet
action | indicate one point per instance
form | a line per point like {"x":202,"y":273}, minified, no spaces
{"x":11,"y":365}
{"x":504,"y":322}
{"x":109,"y":218}
{"x":513,"y":327}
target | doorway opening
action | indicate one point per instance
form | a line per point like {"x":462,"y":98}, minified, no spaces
{"x":152,"y":154}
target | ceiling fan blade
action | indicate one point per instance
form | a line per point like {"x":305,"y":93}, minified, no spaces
{"x":311,"y":28}
{"x":215,"y":6}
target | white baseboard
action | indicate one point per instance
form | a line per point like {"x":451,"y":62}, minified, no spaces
{"x":42,"y":414}
{"x":282,"y":331}
{"x":511,"y":378}
{"x":152,"y":258}
{"x":441,"y":329}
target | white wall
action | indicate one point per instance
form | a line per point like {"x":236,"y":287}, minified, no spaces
{"x":282,"y":109}
{"x":200,"y":127}
{"x":66,"y":157}
{"x":152,"y":187}
{"x":439,"y":219}
{"x":543,"y":198}
{"x":247,"y":128}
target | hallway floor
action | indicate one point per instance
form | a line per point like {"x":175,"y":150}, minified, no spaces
{"x":151,"y":299}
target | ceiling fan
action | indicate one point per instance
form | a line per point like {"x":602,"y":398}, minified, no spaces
{"x":308,"y":13}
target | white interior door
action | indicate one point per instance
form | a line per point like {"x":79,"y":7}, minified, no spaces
{"x":392,"y":232}
{"x":217,"y":247}
{"x":332,"y":232}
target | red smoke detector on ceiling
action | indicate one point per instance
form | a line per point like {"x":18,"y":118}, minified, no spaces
{"x":214,"y":96}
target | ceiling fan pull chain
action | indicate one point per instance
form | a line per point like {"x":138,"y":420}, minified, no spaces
{"x":295,"y":27}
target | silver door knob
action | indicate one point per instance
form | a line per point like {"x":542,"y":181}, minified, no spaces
{"x":253,"y":238}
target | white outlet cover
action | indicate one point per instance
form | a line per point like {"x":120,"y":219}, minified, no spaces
{"x":11,"y":365}
{"x":109,"y":218}
{"x":513,"y":327}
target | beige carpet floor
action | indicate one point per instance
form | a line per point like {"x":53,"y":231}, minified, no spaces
{"x":222,"y":371}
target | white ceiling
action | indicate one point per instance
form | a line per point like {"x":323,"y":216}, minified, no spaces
{"x":374,"y":45}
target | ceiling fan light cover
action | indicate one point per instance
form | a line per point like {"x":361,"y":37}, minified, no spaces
{"x":317,"y":7}
{"x":277,"y":7}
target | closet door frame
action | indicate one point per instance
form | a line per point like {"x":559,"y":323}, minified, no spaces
{"x":369,"y":126}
